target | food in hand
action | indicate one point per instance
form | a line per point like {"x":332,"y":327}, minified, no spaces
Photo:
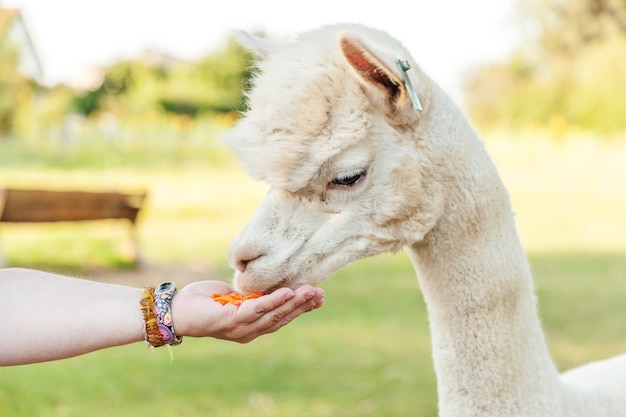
{"x":234,"y":298}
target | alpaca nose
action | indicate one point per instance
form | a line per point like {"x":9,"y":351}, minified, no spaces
{"x":241,"y":259}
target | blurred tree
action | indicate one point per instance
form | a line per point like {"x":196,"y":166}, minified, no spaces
{"x":20,"y":71}
{"x":43,"y":112}
{"x":571,"y":72}
{"x":568,"y":26}
{"x":209,"y":85}
{"x":213,"y":84}
{"x":118,"y":80}
{"x":13,"y":85}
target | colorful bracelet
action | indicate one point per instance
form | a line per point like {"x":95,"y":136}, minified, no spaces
{"x":163,"y":309}
{"x":151,"y":331}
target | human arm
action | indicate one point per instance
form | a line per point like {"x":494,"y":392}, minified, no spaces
{"x":48,"y":316}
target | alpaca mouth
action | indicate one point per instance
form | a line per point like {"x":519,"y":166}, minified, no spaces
{"x":283,"y":283}
{"x":249,"y":287}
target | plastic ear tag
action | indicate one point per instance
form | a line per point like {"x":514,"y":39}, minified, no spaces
{"x":404,"y":66}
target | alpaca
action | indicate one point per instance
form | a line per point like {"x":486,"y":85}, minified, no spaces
{"x":364,"y":156}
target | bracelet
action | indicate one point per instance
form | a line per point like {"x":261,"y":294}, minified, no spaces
{"x":163,"y":309}
{"x":151,"y":332}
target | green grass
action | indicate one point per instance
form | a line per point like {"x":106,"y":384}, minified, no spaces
{"x":367,"y":352}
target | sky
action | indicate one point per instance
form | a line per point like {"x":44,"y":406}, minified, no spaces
{"x":446,"y":37}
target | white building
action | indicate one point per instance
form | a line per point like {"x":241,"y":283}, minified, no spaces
{"x":12,"y":24}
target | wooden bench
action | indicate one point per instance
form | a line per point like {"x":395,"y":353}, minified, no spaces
{"x":38,"y":206}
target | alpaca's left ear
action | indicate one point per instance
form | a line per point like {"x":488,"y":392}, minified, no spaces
{"x":379,"y":71}
{"x":260,"y":47}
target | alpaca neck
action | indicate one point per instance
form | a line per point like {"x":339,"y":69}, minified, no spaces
{"x":488,"y":345}
{"x":489,"y":350}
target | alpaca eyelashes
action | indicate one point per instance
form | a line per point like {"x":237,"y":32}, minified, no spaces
{"x":349,"y":179}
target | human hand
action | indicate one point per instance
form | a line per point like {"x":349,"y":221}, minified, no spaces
{"x":196,"y":314}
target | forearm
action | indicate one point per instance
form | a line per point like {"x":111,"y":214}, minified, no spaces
{"x":52,"y":317}
{"x":47,"y":316}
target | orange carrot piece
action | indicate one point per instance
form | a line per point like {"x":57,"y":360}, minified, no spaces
{"x":234,"y":298}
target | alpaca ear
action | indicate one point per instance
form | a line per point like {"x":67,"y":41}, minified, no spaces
{"x":259,"y":47}
{"x":371,"y":68}
{"x":385,"y":73}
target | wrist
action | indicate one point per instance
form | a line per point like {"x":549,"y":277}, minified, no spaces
{"x":178,"y":315}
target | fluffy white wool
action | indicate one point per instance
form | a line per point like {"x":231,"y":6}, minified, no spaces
{"x":356,"y":171}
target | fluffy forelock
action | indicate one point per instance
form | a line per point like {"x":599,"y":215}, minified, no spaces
{"x":305,"y":106}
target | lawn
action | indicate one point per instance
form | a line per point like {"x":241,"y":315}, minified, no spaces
{"x":367,"y":352}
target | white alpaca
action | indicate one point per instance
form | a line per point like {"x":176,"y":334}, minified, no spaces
{"x":356,"y":171}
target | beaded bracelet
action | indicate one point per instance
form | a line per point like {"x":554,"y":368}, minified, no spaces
{"x":162,"y":305}
{"x":151,"y":331}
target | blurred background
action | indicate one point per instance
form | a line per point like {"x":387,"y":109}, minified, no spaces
{"x":133,"y":97}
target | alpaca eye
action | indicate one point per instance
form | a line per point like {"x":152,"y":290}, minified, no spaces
{"x":349,"y":179}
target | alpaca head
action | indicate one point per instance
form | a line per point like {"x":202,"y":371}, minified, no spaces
{"x":332,"y":128}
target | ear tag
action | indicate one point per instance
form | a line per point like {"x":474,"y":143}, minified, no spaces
{"x":404,"y":66}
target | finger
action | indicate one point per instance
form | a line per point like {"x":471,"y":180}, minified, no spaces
{"x":280,"y":322}
{"x":305,"y":300}
{"x":279,"y":317}
{"x":254,"y":309}
{"x":309,"y":305}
